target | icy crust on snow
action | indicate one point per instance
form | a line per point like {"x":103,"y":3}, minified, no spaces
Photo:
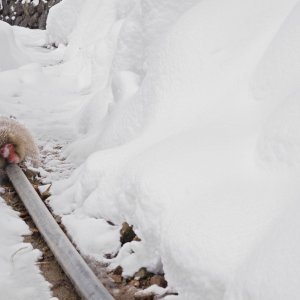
{"x":20,"y":278}
{"x":11,"y":56}
{"x":190,"y":132}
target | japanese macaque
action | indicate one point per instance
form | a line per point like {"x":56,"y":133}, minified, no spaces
{"x":16,"y":143}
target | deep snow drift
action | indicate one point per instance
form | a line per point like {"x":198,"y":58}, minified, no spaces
{"x":192,"y":126}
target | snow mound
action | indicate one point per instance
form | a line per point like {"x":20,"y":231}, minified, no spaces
{"x":190,"y":132}
{"x":61,"y":20}
{"x":10,"y":55}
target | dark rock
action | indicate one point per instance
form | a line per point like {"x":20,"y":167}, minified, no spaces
{"x":137,"y":239}
{"x":158,"y":280}
{"x":144,"y":297}
{"x":118,"y":270}
{"x":141,"y":274}
{"x":45,"y":195}
{"x":116,"y":278}
{"x":127,"y":234}
{"x":134,"y":283}
{"x":31,"y":174}
{"x":57,"y":219}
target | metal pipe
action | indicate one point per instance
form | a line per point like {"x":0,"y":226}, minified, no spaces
{"x":82,"y":277}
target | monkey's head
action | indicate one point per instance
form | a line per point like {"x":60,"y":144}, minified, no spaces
{"x":8,"y":152}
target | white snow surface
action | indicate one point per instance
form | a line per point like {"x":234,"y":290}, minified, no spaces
{"x":19,"y":278}
{"x":11,"y":55}
{"x":61,"y":20}
{"x":191,"y":134}
{"x":183,"y":120}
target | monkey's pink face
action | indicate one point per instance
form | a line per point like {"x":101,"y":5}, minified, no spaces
{"x":9,"y":153}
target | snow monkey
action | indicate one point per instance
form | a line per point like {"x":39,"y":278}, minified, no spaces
{"x":16,"y":143}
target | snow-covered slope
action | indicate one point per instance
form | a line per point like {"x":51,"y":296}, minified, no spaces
{"x":191,"y":134}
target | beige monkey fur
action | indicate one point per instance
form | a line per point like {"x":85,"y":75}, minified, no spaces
{"x":11,"y":131}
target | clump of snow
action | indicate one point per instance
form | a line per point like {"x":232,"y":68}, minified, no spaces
{"x":103,"y":239}
{"x":133,"y":256}
{"x":152,"y":290}
{"x":44,"y":188}
{"x":10,"y":55}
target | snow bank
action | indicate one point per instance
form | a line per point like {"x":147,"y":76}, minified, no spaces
{"x":20,"y":278}
{"x":110,"y":62}
{"x":192,"y":124}
{"x":61,"y":20}
{"x":10,"y":55}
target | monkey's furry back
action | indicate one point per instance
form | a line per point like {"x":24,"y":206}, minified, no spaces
{"x":11,"y":131}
